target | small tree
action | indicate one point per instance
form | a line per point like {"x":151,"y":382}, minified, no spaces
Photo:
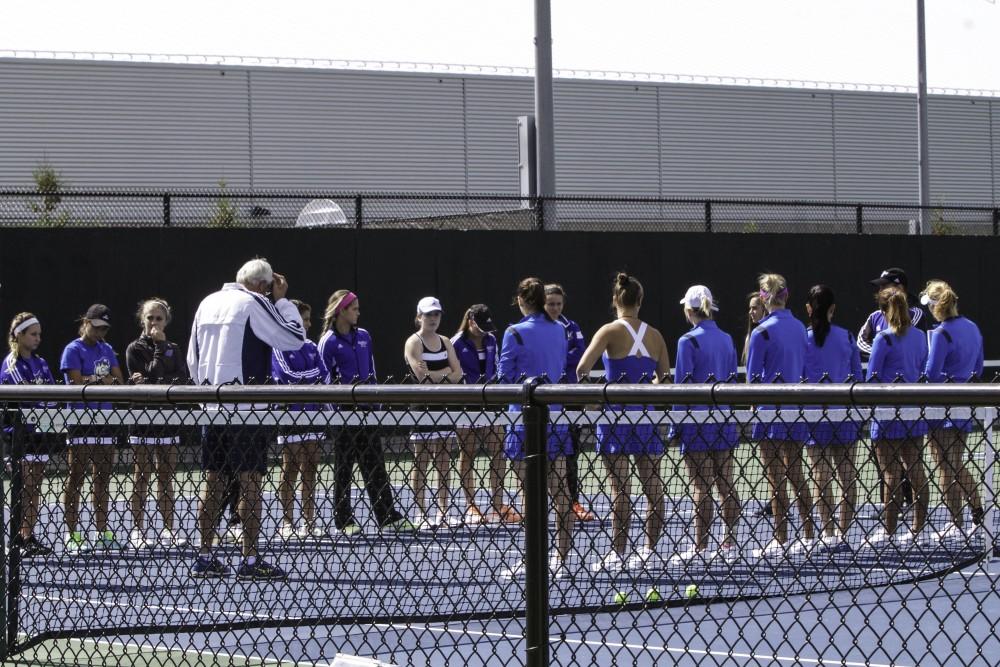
{"x":49,"y":183}
{"x":225,"y":215}
{"x":939,"y":224}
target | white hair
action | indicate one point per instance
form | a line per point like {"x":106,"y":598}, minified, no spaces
{"x":255,"y":271}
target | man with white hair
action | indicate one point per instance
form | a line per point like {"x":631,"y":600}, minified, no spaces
{"x":233,"y":334}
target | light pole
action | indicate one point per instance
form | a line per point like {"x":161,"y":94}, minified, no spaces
{"x":923,"y":167}
{"x":544,"y":133}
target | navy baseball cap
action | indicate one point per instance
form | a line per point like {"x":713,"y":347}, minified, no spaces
{"x":483,"y":318}
{"x":99,"y":315}
{"x":892,"y":276}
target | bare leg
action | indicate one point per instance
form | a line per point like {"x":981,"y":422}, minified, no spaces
{"x":892,"y":473}
{"x":563,"y":504}
{"x":140,"y":484}
{"x":250,"y":510}
{"x":822,"y":479}
{"x":498,"y":467}
{"x":309,"y":468}
{"x":468,"y":445}
{"x":699,"y":465}
{"x":442,"y":464}
{"x":166,"y":467}
{"x":947,"y":452}
{"x":775,"y":471}
{"x":913,"y":463}
{"x":32,"y":473}
{"x":847,"y":474}
{"x":209,"y":509}
{"x":727,"y":492}
{"x":291,"y":455}
{"x":418,"y":476}
{"x":619,"y":477}
{"x":103,"y":458}
{"x":791,"y":454}
{"x":77,"y":457}
{"x":652,"y":486}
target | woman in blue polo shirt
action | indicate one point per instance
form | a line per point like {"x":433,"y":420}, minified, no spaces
{"x":633,"y":352}
{"x":346,"y":349}
{"x":899,"y":354}
{"x":831,"y":356}
{"x":777,"y":354}
{"x":536,"y":347}
{"x":707,"y":354}
{"x":90,"y":360}
{"x":956,"y":355}
{"x":24,"y":366}
{"x":478,"y":353}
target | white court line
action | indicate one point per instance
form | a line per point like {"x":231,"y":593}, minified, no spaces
{"x":669,"y":649}
{"x":194,"y":610}
{"x":199,"y":652}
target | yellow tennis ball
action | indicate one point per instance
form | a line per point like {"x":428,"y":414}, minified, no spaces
{"x":691,"y":591}
{"x":621,"y":598}
{"x":653,"y":595}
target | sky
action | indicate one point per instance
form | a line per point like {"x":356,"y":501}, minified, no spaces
{"x":858,"y":41}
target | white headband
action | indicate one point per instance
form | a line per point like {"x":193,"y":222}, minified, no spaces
{"x":25,"y":324}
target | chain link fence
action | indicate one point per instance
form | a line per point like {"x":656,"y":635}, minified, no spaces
{"x":232,"y":208}
{"x":518,"y":524}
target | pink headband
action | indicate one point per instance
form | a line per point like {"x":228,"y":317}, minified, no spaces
{"x":348,"y":299}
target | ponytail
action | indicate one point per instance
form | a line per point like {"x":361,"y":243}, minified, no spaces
{"x":941,"y":299}
{"x":892,"y":302}
{"x":820,"y":301}
{"x":627,"y":291}
{"x":532,"y":292}
{"x":773,"y":289}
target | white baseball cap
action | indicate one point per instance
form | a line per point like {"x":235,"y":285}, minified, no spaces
{"x":429,"y":304}
{"x":697,"y":295}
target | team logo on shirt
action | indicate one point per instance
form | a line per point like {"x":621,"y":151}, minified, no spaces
{"x":362,"y":343}
{"x":102,"y":367}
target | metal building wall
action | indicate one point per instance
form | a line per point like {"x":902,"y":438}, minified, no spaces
{"x":124,"y":124}
{"x":156,"y":125}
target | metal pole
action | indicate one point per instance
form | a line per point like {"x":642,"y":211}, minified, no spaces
{"x":924,"y":165}
{"x":536,"y":533}
{"x":544,"y":133}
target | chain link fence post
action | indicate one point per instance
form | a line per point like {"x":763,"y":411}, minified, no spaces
{"x":536,"y":529}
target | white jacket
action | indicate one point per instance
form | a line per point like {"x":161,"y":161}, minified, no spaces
{"x":234,"y":332}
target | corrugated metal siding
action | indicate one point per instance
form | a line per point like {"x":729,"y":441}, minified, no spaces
{"x":876,"y":146}
{"x":492,"y":108}
{"x":357,"y":130}
{"x":959,"y":150}
{"x":995,"y":153}
{"x":123,"y":125}
{"x":171,"y":126}
{"x":746,"y":142}
{"x":605,"y":138}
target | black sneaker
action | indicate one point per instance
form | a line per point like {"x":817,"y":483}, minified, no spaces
{"x":32,"y":548}
{"x":978,"y":516}
{"x":260,"y":570}
{"x":207,"y":568}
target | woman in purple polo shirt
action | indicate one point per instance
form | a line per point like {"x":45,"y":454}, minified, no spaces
{"x":90,"y":360}
{"x":478,"y":351}
{"x":24,"y":366}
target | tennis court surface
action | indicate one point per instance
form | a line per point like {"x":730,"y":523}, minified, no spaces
{"x":457,"y":592}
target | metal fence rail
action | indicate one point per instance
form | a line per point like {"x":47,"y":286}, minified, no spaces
{"x":233,"y":208}
{"x":603,"y":562}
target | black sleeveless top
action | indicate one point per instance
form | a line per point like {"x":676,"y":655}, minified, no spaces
{"x":435,"y":361}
